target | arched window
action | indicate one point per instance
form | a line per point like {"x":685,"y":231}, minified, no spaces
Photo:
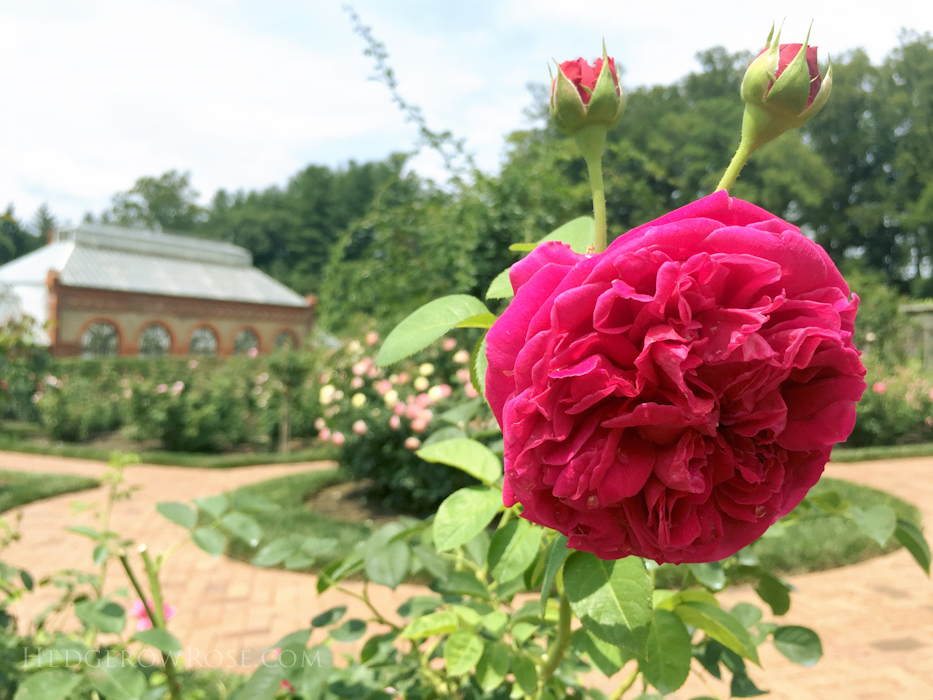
{"x":285,"y":339}
{"x":155,"y":341}
{"x":203,"y":342}
{"x":100,"y":340}
{"x":245,"y":341}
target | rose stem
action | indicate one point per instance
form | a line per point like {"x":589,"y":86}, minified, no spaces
{"x":626,"y":684}
{"x":559,"y":647}
{"x":591,"y":140}
{"x":158,"y":619}
{"x":735,"y":167}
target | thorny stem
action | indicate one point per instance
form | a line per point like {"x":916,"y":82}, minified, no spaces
{"x":131,"y":575}
{"x":377,"y":616}
{"x":591,"y":141}
{"x":738,"y":162}
{"x":559,"y":647}
{"x":158,"y":619}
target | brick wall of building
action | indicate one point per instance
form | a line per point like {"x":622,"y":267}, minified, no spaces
{"x":72,"y":310}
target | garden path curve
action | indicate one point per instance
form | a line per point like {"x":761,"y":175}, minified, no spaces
{"x":875,"y":618}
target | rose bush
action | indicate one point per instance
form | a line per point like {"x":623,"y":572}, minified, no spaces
{"x":898,"y":407}
{"x":379,"y":419}
{"x":677,"y":394}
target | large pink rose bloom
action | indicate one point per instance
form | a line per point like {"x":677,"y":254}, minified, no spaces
{"x":677,"y":394}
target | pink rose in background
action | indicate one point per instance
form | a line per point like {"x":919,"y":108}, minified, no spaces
{"x":162,"y":388}
{"x":462,"y":356}
{"x":372,"y":338}
{"x":470,"y":391}
{"x":338,"y":439}
{"x":412,"y":443}
{"x":138,"y":610}
{"x":449,"y":344}
{"x":192,"y":364}
{"x":324,"y":434}
{"x":252,"y":353}
{"x":177,"y":388}
{"x":359,"y":427}
{"x":677,"y":394}
{"x":395,"y":422}
{"x":356,"y":382}
{"x":383,"y":387}
{"x":362,"y":366}
{"x":879,"y":388}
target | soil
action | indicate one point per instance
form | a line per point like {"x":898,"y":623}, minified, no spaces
{"x":348,"y":502}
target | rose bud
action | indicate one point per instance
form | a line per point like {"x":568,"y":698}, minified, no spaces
{"x":583,"y":95}
{"x":782,"y":89}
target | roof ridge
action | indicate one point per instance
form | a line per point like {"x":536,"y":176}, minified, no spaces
{"x":158,"y":243}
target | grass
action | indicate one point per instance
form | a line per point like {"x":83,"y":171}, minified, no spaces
{"x":822,"y":541}
{"x":18,"y":443}
{"x":867,"y":454}
{"x":827,"y":542}
{"x":815,"y":544}
{"x":20,"y":488}
{"x":290,"y":493}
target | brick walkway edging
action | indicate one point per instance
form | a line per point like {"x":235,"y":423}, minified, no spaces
{"x":875,"y":618}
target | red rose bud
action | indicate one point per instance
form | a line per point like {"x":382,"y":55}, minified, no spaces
{"x":583,"y":95}
{"x":782,"y":90}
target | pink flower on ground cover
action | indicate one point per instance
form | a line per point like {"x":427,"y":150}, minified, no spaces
{"x":677,"y":394}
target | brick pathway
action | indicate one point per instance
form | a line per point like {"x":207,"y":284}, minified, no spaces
{"x":875,"y":618}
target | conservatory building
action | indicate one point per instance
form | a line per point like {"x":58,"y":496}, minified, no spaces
{"x":102,"y":290}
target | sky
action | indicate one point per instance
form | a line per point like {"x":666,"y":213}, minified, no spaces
{"x":243,"y":94}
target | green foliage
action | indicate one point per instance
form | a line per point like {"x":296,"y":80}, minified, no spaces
{"x":897,"y":407}
{"x":79,"y":409}
{"x":290,"y":528}
{"x":381,"y":417}
{"x":291,"y":231}
{"x":168,"y":202}
{"x":15,"y":240}
{"x":185,"y":405}
{"x":22,"y":364}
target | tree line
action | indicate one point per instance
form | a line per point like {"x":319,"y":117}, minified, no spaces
{"x":375,"y":240}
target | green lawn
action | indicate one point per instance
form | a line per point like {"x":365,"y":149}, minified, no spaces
{"x":867,"y":454}
{"x":19,"y":443}
{"x":19,"y":488}
{"x":290,"y":494}
{"x":818,"y":543}
{"x":827,"y":542}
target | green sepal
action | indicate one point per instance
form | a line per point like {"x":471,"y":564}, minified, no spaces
{"x":567,"y":106}
{"x":607,"y":103}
